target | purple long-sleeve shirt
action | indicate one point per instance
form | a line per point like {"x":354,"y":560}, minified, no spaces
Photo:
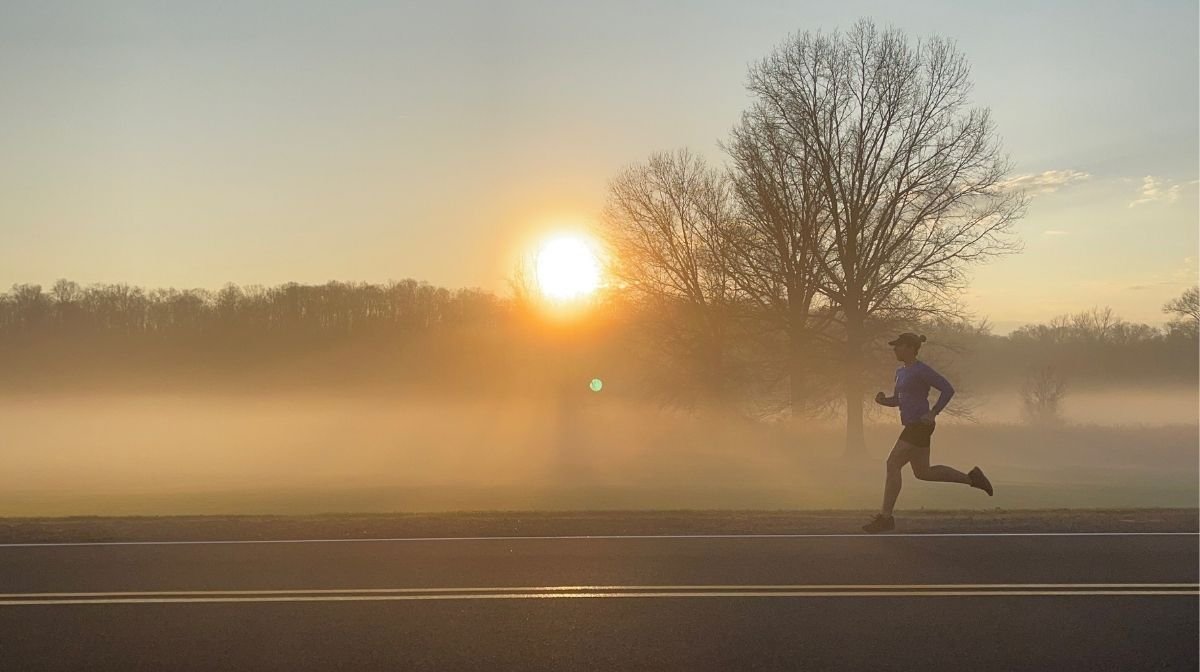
{"x":912,"y":391}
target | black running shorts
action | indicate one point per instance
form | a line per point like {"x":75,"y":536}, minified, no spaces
{"x":917,"y":434}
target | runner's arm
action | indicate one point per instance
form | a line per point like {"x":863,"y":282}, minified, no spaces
{"x":945,"y":389}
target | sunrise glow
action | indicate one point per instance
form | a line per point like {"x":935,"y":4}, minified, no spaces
{"x":567,"y":267}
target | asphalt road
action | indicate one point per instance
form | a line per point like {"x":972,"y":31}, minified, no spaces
{"x":686,"y":602}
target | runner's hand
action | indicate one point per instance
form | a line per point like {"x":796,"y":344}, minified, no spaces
{"x":927,"y":418}
{"x":880,"y":397}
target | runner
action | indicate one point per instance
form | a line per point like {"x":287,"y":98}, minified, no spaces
{"x":913,"y":381}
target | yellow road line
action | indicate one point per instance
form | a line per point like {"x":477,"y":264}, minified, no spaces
{"x":567,"y":592}
{"x":608,"y":588}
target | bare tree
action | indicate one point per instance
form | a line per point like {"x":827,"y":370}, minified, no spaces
{"x":1042,"y":395}
{"x":33,"y":306}
{"x":912,"y":181}
{"x":665,"y":222}
{"x":774,"y":258}
{"x":1187,"y":309}
{"x":1098,"y":325}
{"x":521,"y":284}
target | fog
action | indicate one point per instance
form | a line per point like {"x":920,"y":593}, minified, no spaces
{"x":1168,"y":405}
{"x":193,"y":453}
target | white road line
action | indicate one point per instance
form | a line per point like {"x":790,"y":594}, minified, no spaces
{"x":603,"y":537}
{"x":597,"y":594}
{"x":610,"y":588}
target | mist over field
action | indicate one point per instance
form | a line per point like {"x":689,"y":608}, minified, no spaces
{"x":254,"y":453}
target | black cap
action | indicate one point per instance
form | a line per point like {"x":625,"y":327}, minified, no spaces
{"x":908,"y":339}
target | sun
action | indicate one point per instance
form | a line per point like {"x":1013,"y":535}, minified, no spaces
{"x":567,"y":267}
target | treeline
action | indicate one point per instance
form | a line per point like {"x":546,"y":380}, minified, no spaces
{"x":293,"y":311}
{"x":1092,"y":347}
{"x":411,"y":335}
{"x":115,"y":334}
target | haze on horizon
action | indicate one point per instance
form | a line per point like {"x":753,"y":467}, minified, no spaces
{"x":171,"y":144}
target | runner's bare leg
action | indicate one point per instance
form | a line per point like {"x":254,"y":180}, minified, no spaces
{"x":919,"y":457}
{"x":900,"y":455}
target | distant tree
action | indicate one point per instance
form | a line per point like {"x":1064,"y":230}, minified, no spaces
{"x":1187,"y":309}
{"x":522,"y":285}
{"x":66,"y":291}
{"x":1097,"y":325}
{"x":31,"y":307}
{"x":66,"y":296}
{"x":1087,"y":329}
{"x":228,"y":304}
{"x":1042,"y":395}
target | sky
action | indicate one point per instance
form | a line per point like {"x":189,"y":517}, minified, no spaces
{"x":184,"y":144}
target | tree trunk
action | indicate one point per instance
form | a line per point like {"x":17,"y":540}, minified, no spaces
{"x":714,"y":383}
{"x":797,"y":370}
{"x":856,"y":445}
{"x":800,"y":351}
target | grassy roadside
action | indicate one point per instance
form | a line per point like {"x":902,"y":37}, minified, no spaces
{"x":537,"y":523}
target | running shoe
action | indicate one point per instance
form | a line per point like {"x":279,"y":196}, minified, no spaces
{"x":880,"y":523}
{"x":978,"y":480}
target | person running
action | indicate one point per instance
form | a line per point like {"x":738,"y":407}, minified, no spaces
{"x":911,"y":394}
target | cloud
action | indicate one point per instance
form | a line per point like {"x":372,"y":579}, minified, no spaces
{"x":1044,"y":183}
{"x":1157,"y":189}
{"x":1188,"y":273}
{"x":1152,"y":285}
{"x":1184,"y":275}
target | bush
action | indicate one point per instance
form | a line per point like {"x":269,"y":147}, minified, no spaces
{"x":1042,"y":395}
